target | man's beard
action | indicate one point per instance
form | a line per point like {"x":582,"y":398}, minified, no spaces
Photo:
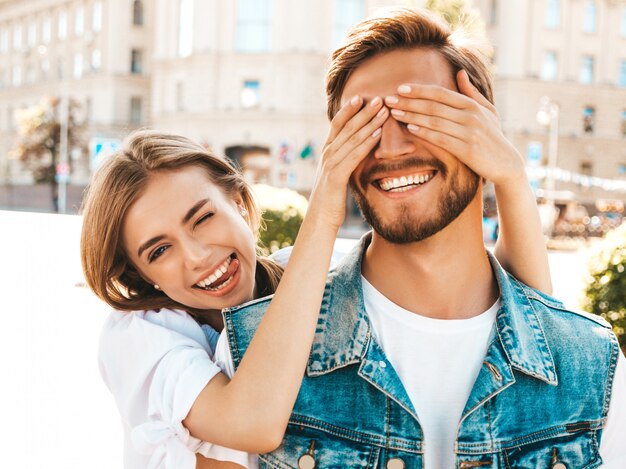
{"x":406,"y":227}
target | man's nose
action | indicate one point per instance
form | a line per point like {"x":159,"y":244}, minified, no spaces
{"x":395,"y":140}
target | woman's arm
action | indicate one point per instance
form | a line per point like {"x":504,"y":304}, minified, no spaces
{"x":521,"y":248}
{"x":466,"y":125}
{"x":251,"y":411}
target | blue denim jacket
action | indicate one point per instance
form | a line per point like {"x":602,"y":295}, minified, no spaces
{"x":541,"y":396}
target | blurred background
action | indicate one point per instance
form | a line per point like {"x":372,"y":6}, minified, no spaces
{"x":246,"y":79}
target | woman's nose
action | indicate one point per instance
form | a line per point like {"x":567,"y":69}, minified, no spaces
{"x":196,"y":254}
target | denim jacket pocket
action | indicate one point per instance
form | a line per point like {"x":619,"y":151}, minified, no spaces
{"x":576,"y":449}
{"x":305,"y":447}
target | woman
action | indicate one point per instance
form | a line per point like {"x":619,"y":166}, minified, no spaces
{"x":169,"y":239}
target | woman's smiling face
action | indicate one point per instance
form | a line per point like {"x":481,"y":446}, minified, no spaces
{"x":187,"y":236}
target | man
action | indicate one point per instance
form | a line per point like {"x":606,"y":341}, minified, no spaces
{"x":427,"y":354}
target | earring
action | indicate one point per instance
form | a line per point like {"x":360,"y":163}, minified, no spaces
{"x":243,"y":212}
{"x":156,"y":287}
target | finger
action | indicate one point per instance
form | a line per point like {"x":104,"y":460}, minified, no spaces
{"x":357,"y":122}
{"x":468,"y":89}
{"x":435,"y":93}
{"x":347,"y":111}
{"x":366,"y":137}
{"x":428,"y":107}
{"x":456,"y":147}
{"x":439,"y":124}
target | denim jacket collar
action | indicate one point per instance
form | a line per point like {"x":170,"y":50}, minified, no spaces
{"x":343,"y":331}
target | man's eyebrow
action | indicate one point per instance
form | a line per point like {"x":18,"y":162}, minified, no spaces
{"x":193,"y":210}
{"x":149,"y":243}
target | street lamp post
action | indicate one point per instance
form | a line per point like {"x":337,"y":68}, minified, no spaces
{"x":548,"y":116}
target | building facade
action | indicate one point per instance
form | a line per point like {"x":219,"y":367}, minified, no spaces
{"x":246,"y":77}
{"x":572,"y":54}
{"x":96,"y":52}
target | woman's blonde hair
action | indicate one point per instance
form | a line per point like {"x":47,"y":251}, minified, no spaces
{"x":408,"y":29}
{"x":117,"y":185}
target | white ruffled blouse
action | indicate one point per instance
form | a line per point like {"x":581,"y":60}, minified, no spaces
{"x":156,"y":364}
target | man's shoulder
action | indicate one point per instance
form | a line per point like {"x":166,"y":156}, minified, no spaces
{"x":555,"y":306}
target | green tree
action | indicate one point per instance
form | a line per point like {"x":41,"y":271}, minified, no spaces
{"x":455,"y":12}
{"x":605,"y":293}
{"x":39,"y":139}
{"x":283,"y":212}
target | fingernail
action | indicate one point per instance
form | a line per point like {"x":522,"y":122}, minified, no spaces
{"x":391,"y":100}
{"x":375,"y":102}
{"x":412,"y":127}
{"x":376,"y":132}
{"x":404,"y":89}
{"x":355,"y":100}
{"x":397,"y":112}
{"x":382,"y":112}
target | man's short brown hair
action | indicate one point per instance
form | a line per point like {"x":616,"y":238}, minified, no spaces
{"x":406,"y":29}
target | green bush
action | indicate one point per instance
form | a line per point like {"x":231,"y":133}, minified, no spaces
{"x":283,"y":212}
{"x":605,"y":293}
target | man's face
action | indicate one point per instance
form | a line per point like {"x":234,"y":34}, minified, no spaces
{"x":442,"y":186}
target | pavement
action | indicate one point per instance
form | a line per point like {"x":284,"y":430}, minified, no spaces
{"x":57,"y":413}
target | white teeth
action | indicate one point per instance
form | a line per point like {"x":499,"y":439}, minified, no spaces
{"x":403,"y":182}
{"x":217,"y":273}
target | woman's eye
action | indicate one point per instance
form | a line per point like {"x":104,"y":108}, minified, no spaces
{"x":203,"y":218}
{"x":156,"y":253}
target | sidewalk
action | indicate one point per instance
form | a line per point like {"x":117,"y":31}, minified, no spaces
{"x":57,"y":412}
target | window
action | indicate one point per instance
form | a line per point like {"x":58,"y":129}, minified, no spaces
{"x":62,"y":26}
{"x":590,"y":17}
{"x":185,"y":28}
{"x":623,"y":25}
{"x":61,"y":68}
{"x":17,"y":37}
{"x":96,"y":16}
{"x":88,"y":110}
{"x":46,"y":27}
{"x":254,"y":26}
{"x":586,"y":168}
{"x":553,"y":14}
{"x":78,"y":65}
{"x":135,"y":110}
{"x":621,"y":169}
{"x":136,"y":61}
{"x":180,"y":96}
{"x":586,"y":70}
{"x":31,"y":34}
{"x":624,"y":123}
{"x":250,"y":94}
{"x":2,"y":79}
{"x":347,"y":14}
{"x":589,"y":119}
{"x":622,"y":74}
{"x":138,"y":13}
{"x":30,"y":76}
{"x":10,"y":119}
{"x":45,"y":69}
{"x":16,"y":76}
{"x":549,"y":68}
{"x":4,"y":40}
{"x":79,"y":21}
{"x":493,"y":12}
{"x":96,"y":60}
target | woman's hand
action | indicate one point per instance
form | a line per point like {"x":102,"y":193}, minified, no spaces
{"x":463,"y":123}
{"x":354,"y":132}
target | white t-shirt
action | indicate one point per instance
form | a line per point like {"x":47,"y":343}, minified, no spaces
{"x":449,"y":355}
{"x":156,"y":365}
